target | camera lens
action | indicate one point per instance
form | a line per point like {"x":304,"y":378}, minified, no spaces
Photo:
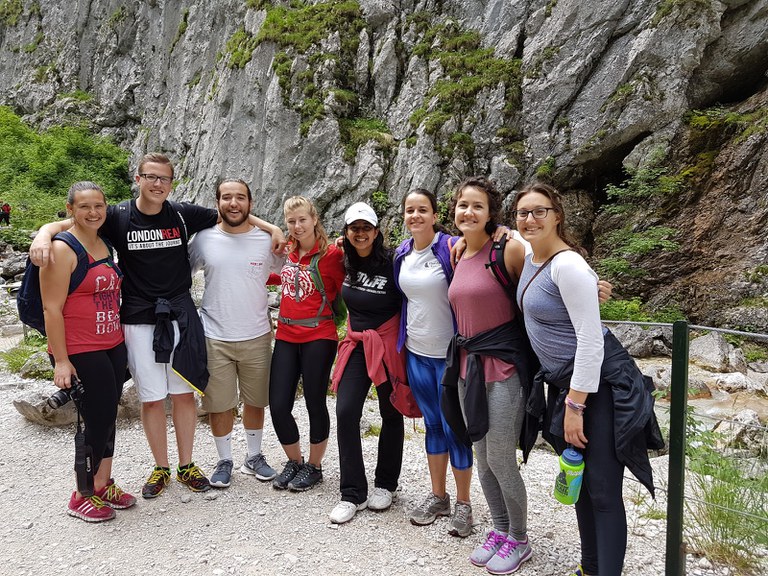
{"x":59,"y":398}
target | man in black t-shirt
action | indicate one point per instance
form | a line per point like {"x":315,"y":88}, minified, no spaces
{"x":163,"y":333}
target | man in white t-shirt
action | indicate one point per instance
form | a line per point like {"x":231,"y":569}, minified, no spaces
{"x":236,"y":259}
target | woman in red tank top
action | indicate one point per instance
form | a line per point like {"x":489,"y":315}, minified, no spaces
{"x":85,"y":342}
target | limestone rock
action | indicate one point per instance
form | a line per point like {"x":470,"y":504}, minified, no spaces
{"x":710,"y":351}
{"x":37,"y":366}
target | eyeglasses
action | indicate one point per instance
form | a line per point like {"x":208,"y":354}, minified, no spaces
{"x":154,"y":178}
{"x":538,"y":213}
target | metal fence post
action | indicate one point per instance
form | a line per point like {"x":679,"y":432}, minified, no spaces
{"x":675,"y":558}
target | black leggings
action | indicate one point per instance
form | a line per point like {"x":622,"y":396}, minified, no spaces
{"x":312,"y":361}
{"x":102,"y":374}
{"x":350,"y":400}
{"x":600,"y":508}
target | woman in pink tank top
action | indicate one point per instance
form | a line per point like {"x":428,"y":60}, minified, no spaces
{"x":85,"y":342}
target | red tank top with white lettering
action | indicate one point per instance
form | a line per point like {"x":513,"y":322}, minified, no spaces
{"x":92,"y":311}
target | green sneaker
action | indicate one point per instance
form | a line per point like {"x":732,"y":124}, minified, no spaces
{"x":578,"y":572}
{"x":193,"y":477}
{"x":158,"y":480}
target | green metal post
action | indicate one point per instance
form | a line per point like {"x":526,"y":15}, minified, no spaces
{"x":675,"y":559}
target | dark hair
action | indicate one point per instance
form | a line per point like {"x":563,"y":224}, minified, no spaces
{"x":557,"y":203}
{"x":157,"y":158}
{"x":236,"y":181}
{"x":494,"y":199}
{"x":381,"y":257}
{"x":79,"y":187}
{"x":438,"y":227}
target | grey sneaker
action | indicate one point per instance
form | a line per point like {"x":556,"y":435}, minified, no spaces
{"x":308,"y":477}
{"x":222,"y":475}
{"x":256,"y":465}
{"x":289,"y":472}
{"x":509,"y":557}
{"x":487,"y":550}
{"x":428,"y":511}
{"x":461,"y":522}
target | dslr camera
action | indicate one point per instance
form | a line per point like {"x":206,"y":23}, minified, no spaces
{"x":64,"y":395}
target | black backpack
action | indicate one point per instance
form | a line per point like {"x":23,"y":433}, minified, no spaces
{"x":29,"y":301}
{"x":496,"y":265}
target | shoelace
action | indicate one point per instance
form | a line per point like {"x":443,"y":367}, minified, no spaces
{"x":193,"y":472}
{"x":96,"y":502}
{"x":156,"y":476}
{"x":427,"y":504}
{"x":462,"y":513}
{"x":255,"y":460}
{"x":508,"y":546}
{"x":493,"y":539}
{"x":302,"y":475}
{"x":113,"y":492}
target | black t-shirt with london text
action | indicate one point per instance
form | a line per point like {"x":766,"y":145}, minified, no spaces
{"x":152,"y":252}
{"x":371,"y":297}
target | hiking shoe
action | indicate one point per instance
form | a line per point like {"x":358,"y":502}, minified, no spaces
{"x":222,"y":475}
{"x":157,"y":482}
{"x":380,"y":499}
{"x":461,"y":522}
{"x":428,"y":511}
{"x":256,"y":465}
{"x":487,"y":550}
{"x":193,"y":478}
{"x":509,"y":557}
{"x":90,"y":509}
{"x":114,"y":497}
{"x":345,"y":511}
{"x":308,"y":477}
{"x":289,"y":472}
{"x":578,"y":572}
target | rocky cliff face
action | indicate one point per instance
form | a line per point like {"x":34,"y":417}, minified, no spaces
{"x":650,"y":115}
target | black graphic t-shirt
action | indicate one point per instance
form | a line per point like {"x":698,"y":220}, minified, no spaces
{"x":152,"y":252}
{"x":371,"y":297}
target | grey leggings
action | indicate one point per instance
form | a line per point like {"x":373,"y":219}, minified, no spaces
{"x":496,"y":455}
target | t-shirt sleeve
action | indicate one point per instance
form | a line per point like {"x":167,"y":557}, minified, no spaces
{"x":195,"y":257}
{"x":578,"y":288}
{"x":108,"y":230}
{"x":198,"y":218}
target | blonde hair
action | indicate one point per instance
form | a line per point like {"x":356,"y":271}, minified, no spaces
{"x":300,"y":203}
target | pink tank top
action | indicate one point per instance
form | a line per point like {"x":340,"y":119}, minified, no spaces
{"x":480,"y":303}
{"x":92,"y":311}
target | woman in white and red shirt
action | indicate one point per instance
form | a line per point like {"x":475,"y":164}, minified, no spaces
{"x":305,"y":343}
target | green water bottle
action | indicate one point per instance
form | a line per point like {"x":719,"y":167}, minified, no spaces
{"x":568,"y":481}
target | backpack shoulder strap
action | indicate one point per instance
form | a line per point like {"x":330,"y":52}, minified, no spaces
{"x":81,"y":269}
{"x":497,"y":266}
{"x":314,"y":271}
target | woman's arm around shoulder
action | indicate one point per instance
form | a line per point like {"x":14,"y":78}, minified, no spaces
{"x":514,"y":257}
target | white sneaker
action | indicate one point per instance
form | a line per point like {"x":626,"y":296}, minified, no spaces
{"x":345,"y":511}
{"x":380,"y":499}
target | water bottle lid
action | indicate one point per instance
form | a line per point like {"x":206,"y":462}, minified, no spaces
{"x":572,"y":457}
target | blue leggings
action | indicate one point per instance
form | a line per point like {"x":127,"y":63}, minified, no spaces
{"x":425,"y":376}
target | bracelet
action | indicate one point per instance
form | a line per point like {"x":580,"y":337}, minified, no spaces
{"x":575,"y":406}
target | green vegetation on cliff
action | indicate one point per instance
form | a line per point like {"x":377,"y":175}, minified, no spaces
{"x":467,"y":70}
{"x":37,"y":168}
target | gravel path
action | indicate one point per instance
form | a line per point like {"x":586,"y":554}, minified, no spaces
{"x":252,"y":529}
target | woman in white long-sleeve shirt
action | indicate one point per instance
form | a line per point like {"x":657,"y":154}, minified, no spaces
{"x":556,"y":294}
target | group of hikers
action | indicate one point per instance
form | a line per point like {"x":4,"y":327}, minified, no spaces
{"x":473,"y":324}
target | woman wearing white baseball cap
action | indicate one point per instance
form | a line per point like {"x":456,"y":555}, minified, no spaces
{"x":368,"y":354}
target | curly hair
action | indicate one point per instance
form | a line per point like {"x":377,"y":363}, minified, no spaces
{"x":495,"y":199}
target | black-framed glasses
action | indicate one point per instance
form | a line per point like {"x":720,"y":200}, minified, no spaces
{"x":538,"y":213}
{"x":154,"y":178}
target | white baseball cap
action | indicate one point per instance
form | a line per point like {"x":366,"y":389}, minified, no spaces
{"x":360,"y":211}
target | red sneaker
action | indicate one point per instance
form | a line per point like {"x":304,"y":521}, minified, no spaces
{"x":90,"y":509}
{"x":114,"y":497}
